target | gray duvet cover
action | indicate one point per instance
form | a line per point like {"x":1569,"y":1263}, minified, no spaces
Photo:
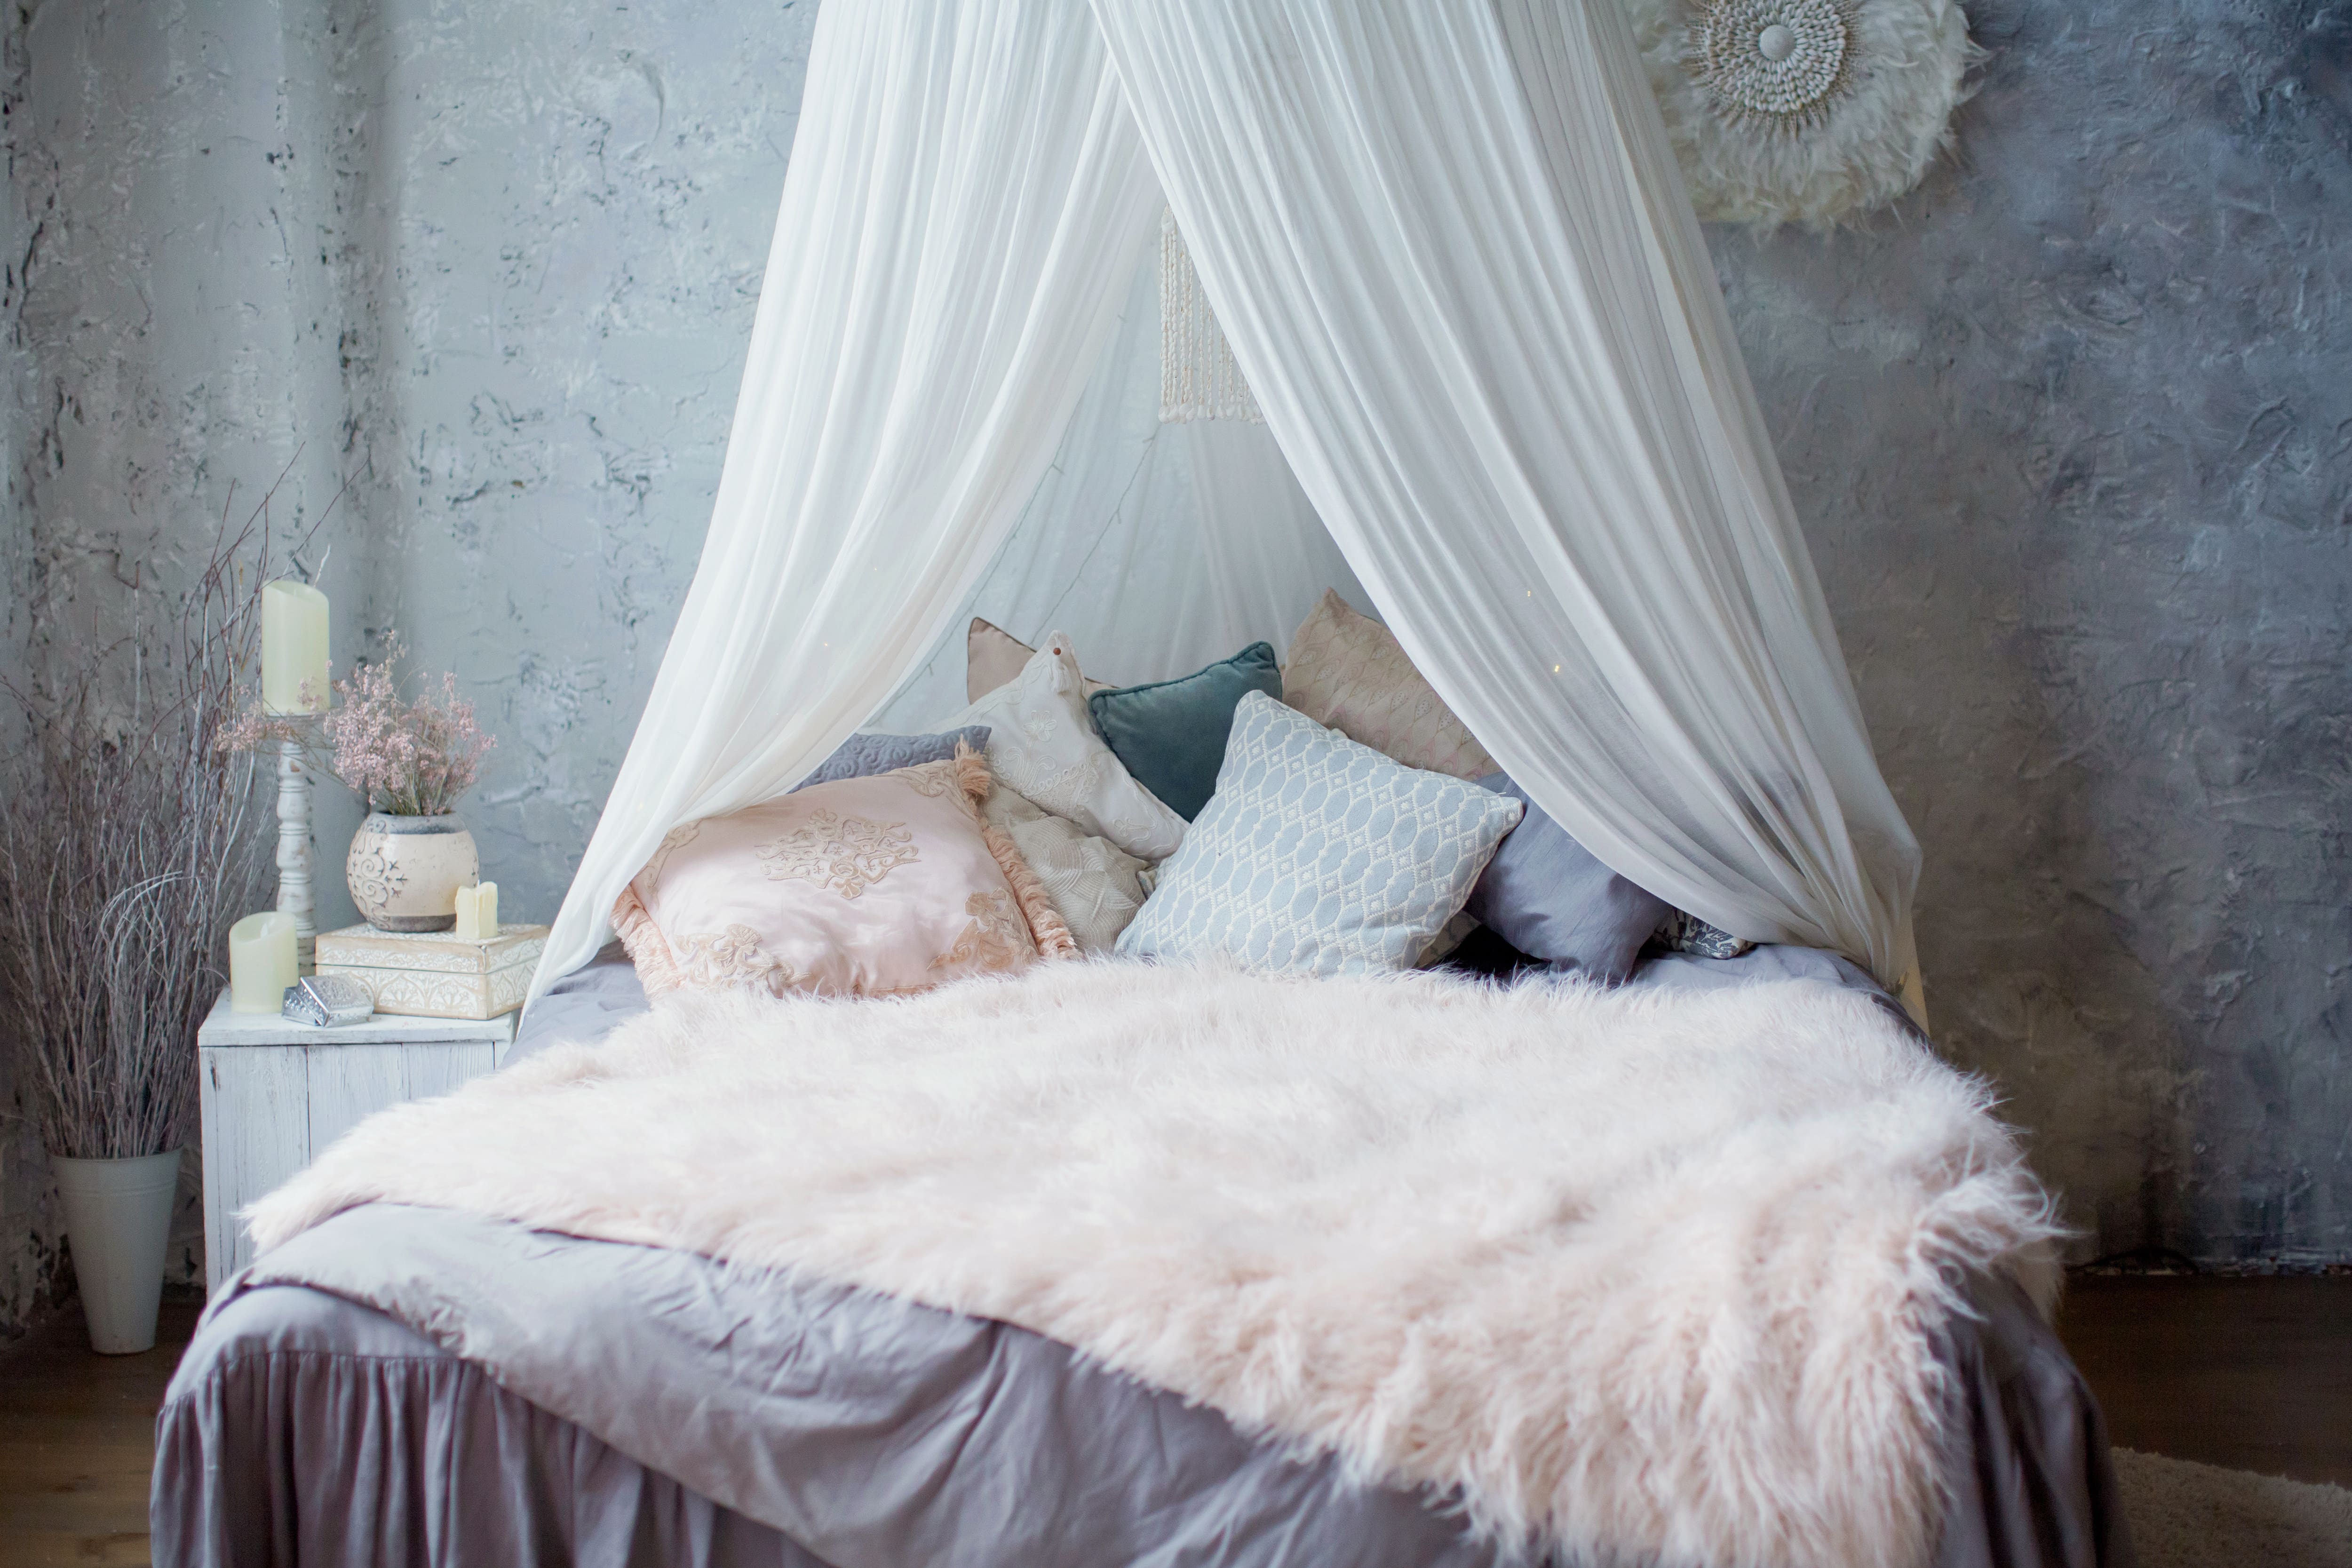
{"x":655,"y":1407}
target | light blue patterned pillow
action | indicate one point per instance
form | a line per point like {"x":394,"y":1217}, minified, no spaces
{"x":1319,"y":856}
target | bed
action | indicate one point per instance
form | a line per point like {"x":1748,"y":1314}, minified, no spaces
{"x":1497,"y":368}
{"x":642,"y":1391}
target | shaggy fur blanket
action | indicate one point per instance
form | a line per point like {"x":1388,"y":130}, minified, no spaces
{"x":1640,"y":1275}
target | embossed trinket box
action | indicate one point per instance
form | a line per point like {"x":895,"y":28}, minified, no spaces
{"x":436,"y":974}
{"x":327,"y":1002}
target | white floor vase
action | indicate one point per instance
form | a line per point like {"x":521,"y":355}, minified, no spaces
{"x":119,"y":1223}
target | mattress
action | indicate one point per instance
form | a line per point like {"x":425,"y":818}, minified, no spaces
{"x":644,"y":1391}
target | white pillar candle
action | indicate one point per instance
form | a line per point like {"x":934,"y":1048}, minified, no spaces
{"x":261,"y":962}
{"x":293,"y":648}
{"x":478,"y":912}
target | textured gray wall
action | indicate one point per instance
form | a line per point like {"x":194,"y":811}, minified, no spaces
{"x":496,"y":264}
{"x":2072,"y":433}
{"x":2070,"y":429}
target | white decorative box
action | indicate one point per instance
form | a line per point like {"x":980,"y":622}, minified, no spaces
{"x":436,"y":973}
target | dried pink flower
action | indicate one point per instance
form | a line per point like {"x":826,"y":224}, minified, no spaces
{"x":406,"y":758}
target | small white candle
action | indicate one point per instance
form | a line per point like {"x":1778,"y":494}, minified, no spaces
{"x":261,"y":962}
{"x":478,"y":912}
{"x":293,"y":648}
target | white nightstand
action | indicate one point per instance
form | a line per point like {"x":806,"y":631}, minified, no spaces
{"x":277,"y":1092}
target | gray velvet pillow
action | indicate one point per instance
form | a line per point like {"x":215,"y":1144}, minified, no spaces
{"x":863,"y":756}
{"x":1544,"y":894}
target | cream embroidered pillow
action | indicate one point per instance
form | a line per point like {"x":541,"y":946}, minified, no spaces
{"x":993,"y":655}
{"x":1041,"y":742}
{"x":1349,"y":672}
{"x":1096,"y":885}
{"x":864,"y":887}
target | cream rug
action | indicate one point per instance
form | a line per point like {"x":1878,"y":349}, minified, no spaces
{"x":2185,"y":1515}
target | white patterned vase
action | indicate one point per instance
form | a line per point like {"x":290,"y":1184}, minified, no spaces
{"x":404,"y":871}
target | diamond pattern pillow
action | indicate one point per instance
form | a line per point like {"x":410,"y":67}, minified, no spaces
{"x":1348,"y":671}
{"x":1319,"y":855}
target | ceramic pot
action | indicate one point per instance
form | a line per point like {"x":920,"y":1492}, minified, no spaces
{"x":119,"y":1223}
{"x":404,"y":871}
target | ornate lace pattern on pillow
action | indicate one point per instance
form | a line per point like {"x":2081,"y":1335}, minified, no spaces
{"x":845,"y":854}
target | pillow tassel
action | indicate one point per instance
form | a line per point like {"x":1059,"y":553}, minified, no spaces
{"x":1047,"y":926}
{"x":642,"y":940}
{"x":973,"y":776}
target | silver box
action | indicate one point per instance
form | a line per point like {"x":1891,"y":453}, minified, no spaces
{"x":327,"y":1000}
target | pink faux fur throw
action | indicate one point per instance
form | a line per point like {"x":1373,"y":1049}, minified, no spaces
{"x":1641,"y":1275}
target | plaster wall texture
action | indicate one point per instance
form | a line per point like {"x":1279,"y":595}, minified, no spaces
{"x":2072,"y":434}
{"x":2069,"y":429}
{"x":470,"y":285}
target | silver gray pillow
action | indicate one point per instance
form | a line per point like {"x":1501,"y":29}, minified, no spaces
{"x":1545,"y":895}
{"x":863,"y":756}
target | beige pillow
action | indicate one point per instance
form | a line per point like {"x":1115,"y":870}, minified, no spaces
{"x":1096,"y":885}
{"x":995,"y":656}
{"x":1348,"y":671}
{"x":864,"y":887}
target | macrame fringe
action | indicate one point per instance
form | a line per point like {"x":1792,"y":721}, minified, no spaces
{"x":1197,"y":377}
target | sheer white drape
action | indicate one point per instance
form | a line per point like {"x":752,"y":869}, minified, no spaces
{"x":1454,"y":256}
{"x":1155,"y":547}
{"x":965,"y":204}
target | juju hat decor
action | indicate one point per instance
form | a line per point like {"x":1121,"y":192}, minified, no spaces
{"x":1197,"y":377}
{"x":1803,"y":111}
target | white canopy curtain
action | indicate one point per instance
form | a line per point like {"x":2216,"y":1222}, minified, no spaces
{"x":1155,"y":547}
{"x":1455,"y":258}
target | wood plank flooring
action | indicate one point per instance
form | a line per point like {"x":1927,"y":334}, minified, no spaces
{"x":2250,"y":1374}
{"x":2254,"y":1374}
{"x":77,"y":1440}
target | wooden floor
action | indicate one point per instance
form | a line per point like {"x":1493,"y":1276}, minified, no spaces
{"x":2254,"y":1374}
{"x":2250,"y":1374}
{"x":77,"y":1437}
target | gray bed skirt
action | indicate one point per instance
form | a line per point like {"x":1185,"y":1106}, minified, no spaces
{"x":656,"y":1408}
{"x":306,"y":1429}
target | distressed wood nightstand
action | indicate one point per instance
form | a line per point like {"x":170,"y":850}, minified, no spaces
{"x":276,"y":1093}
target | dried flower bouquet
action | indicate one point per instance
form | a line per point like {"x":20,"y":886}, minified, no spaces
{"x":403,"y":758}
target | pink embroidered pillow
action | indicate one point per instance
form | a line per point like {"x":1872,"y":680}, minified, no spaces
{"x":864,"y":887}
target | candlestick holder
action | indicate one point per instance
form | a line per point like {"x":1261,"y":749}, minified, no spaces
{"x":296,"y":849}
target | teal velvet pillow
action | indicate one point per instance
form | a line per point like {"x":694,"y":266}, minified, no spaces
{"x":1172,"y":734}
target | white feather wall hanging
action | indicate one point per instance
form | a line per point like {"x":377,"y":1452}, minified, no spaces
{"x":1804,"y":110}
